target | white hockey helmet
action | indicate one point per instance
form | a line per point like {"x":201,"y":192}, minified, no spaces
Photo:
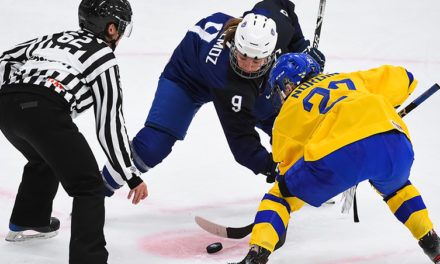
{"x":255,"y":37}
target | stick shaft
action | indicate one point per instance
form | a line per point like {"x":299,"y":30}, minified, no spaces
{"x":419,"y":100}
{"x":319,"y":23}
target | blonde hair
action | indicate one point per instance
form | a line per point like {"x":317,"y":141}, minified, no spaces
{"x":230,"y":28}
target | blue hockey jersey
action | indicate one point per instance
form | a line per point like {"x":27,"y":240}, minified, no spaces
{"x":200,"y":65}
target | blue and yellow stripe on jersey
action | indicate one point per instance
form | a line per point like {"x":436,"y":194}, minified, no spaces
{"x":337,"y":109}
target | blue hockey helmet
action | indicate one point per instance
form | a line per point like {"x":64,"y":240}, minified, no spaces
{"x":292,"y":69}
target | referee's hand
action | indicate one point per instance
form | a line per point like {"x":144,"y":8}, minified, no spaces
{"x":139,"y":193}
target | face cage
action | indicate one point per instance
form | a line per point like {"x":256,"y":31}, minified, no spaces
{"x":233,"y":61}
{"x":278,"y":95}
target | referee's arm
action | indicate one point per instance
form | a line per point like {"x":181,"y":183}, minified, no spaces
{"x":110,"y":125}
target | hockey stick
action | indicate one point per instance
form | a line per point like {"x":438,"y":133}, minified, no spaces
{"x":231,"y":232}
{"x":319,"y":23}
{"x":419,"y":100}
{"x":241,"y":232}
{"x":316,"y":39}
{"x":223,"y":231}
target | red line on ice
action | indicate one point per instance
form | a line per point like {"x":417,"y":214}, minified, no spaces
{"x":144,"y":54}
{"x":7,"y":194}
{"x":184,"y":209}
{"x":381,"y":60}
{"x":210,"y":206}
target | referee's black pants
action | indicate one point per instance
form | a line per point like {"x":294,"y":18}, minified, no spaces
{"x":41,"y":128}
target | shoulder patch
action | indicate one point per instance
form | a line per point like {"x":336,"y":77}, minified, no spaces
{"x":397,"y":126}
{"x":284,"y":12}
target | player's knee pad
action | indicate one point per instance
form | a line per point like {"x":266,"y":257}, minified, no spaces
{"x":150,"y":147}
{"x":408,"y":206}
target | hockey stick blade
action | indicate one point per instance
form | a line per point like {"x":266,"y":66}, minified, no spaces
{"x":223,"y":231}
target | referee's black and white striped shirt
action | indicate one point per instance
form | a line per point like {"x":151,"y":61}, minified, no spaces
{"x":82,"y":69}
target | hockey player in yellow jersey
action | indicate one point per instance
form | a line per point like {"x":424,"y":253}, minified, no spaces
{"x":334,"y":131}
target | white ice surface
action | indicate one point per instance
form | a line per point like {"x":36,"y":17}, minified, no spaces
{"x":200,"y":177}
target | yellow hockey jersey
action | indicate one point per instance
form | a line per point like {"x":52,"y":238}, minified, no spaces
{"x":331,"y":111}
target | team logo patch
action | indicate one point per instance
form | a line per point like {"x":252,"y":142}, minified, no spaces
{"x":397,"y":126}
{"x":284,"y":12}
{"x":55,"y":83}
{"x":272,"y":32}
{"x":244,"y":24}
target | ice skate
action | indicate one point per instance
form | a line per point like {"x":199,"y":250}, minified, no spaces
{"x":17,"y":233}
{"x":430,"y":244}
{"x":256,"y":255}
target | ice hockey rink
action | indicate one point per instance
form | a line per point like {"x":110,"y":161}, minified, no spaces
{"x":200,"y":177}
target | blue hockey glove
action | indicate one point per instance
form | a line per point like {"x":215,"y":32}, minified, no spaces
{"x":317,"y":55}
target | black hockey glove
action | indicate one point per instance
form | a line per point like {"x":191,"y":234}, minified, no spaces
{"x":317,"y":55}
{"x":271,"y":171}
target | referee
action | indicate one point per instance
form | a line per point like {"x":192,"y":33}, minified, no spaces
{"x":45,"y":82}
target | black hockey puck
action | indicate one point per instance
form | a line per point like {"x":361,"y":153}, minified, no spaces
{"x":214,"y":247}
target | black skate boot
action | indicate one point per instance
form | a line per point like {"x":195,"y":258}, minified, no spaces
{"x":16,"y":232}
{"x":430,"y":244}
{"x":256,"y":255}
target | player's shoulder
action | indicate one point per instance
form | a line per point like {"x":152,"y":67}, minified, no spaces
{"x":274,"y":4}
{"x":89,"y":53}
{"x":89,"y":44}
{"x":217,"y":18}
{"x":89,"y":38}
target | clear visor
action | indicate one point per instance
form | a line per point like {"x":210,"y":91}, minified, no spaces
{"x":125,"y":28}
{"x":282,"y":96}
{"x":249,"y":64}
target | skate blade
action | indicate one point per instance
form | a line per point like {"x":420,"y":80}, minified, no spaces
{"x":19,"y":236}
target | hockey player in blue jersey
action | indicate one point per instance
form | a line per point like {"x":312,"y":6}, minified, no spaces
{"x":224,"y":60}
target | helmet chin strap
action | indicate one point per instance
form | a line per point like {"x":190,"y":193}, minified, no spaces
{"x":112,"y":43}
